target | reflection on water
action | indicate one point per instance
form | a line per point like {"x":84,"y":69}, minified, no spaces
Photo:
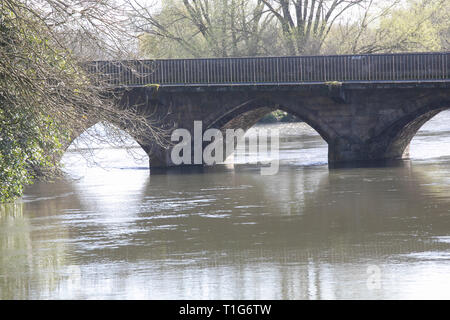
{"x":305,"y":233}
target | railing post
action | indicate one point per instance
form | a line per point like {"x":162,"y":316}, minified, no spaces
{"x":207,"y":71}
{"x":278,"y":70}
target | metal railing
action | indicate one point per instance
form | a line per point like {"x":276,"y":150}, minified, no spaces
{"x":275,"y":70}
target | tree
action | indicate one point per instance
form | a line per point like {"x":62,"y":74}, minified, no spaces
{"x":417,"y":25}
{"x":305,"y":24}
{"x":440,"y":19}
{"x":213,"y":28}
{"x":45,"y":93}
{"x":204,"y":28}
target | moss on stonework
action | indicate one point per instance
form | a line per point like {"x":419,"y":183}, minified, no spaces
{"x":153,"y":85}
{"x":331,"y":84}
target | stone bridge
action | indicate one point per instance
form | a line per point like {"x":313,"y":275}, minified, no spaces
{"x":366,"y":107}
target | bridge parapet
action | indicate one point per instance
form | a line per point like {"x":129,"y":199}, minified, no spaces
{"x":414,"y":67}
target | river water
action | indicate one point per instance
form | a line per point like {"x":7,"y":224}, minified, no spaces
{"x":112,"y":231}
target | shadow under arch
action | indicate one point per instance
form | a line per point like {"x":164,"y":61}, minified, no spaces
{"x":401,"y":132}
{"x":248,"y":114}
{"x":432,"y":139}
{"x":245,"y":116}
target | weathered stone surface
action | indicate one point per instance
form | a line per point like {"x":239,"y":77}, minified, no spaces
{"x":359,"y":122}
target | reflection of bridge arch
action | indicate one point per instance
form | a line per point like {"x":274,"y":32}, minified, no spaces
{"x":316,"y":232}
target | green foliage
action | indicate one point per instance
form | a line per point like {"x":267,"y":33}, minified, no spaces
{"x":46,"y":96}
{"x":30,"y":138}
{"x":216,"y":28}
{"x":409,"y":26}
{"x":278,"y":116}
{"x":28,"y":144}
{"x":333,"y":84}
{"x":410,"y":29}
{"x":208,"y":28}
{"x":156,"y":86}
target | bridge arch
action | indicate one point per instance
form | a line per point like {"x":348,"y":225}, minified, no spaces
{"x":401,"y":132}
{"x":100,"y":135}
{"x":248,"y":114}
{"x":432,"y":140}
{"x":359,"y":121}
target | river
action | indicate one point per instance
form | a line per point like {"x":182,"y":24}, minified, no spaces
{"x":112,"y":231}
